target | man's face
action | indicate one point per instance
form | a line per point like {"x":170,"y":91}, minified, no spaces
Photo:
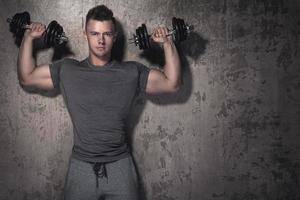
{"x":100,"y":36}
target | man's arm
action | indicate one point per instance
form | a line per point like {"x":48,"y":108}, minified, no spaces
{"x":168,"y":80}
{"x":30,"y":74}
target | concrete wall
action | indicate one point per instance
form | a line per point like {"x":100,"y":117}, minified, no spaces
{"x":231,"y":132}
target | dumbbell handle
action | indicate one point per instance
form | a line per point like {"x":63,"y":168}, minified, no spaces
{"x":135,"y":38}
{"x":62,"y":37}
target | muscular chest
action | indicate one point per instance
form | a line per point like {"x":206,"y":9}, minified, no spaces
{"x":114,"y":87}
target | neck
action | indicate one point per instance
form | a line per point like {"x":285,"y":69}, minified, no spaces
{"x":99,"y":61}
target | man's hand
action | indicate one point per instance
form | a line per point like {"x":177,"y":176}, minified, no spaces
{"x":160,"y":35}
{"x":34,"y":30}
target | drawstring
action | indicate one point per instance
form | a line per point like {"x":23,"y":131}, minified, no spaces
{"x":100,"y":171}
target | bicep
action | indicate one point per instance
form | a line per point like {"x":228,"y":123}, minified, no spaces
{"x":40,"y":77}
{"x":157,"y":82}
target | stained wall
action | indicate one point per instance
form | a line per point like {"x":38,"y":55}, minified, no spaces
{"x":231,"y":132}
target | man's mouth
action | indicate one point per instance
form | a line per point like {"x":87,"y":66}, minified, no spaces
{"x":100,"y":48}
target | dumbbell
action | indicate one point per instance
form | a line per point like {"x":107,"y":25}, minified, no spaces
{"x":180,"y":31}
{"x":52,"y":37}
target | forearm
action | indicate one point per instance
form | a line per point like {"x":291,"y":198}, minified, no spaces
{"x":26,"y":62}
{"x":172,"y":69}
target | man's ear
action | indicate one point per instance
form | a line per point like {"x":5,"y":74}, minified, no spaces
{"x":115,"y":36}
{"x":84,"y":35}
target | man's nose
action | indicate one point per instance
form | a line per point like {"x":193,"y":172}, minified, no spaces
{"x":100,"y":37}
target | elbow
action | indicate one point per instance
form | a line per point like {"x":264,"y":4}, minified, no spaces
{"x":24,"y":81}
{"x":176,"y":88}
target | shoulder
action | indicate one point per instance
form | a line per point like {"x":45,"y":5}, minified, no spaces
{"x":64,"y":61}
{"x":132,"y":63}
{"x":135,"y":65}
{"x":71,"y":61}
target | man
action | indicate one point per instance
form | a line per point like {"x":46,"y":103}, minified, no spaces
{"x":98,"y":93}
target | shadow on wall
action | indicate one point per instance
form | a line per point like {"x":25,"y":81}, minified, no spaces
{"x":194,"y":47}
{"x":119,"y":46}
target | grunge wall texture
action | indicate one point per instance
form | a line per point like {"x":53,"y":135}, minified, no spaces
{"x":230,"y":133}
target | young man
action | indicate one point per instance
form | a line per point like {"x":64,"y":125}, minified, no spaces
{"x":98,"y":93}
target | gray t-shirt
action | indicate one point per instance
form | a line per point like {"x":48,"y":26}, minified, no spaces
{"x":98,"y":100}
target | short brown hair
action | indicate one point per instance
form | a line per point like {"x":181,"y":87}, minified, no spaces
{"x":100,"y":13}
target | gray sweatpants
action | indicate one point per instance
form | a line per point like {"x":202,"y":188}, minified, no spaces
{"x":120,"y":183}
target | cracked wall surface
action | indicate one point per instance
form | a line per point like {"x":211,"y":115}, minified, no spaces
{"x":231,"y":132}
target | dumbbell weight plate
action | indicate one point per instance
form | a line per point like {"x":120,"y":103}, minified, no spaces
{"x":178,"y":24}
{"x":141,"y":35}
{"x":50,"y":33}
{"x":54,"y":34}
{"x":142,"y":31}
{"x":176,"y":29}
{"x":181,"y":29}
{"x":17,"y":23}
{"x":184,"y":30}
{"x":58,"y":33}
{"x":138,"y":35}
{"x":146,"y":37}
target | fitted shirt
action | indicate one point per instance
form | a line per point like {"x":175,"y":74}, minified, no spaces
{"x":98,"y":99}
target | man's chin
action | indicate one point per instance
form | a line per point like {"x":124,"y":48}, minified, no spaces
{"x":102,"y":55}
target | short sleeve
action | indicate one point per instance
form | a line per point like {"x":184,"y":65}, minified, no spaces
{"x":143,"y":73}
{"x":55,"y":72}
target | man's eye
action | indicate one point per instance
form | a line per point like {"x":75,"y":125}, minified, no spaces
{"x":108,"y":34}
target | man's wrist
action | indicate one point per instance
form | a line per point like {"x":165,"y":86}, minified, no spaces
{"x":168,"y":43}
{"x":27,"y":38}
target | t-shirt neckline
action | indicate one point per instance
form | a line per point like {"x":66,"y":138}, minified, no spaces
{"x":98,"y":67}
